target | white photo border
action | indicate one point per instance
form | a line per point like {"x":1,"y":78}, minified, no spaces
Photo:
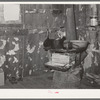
{"x":50,"y":93}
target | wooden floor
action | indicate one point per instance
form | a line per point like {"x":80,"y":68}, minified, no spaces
{"x":42,"y":81}
{"x":38,"y":81}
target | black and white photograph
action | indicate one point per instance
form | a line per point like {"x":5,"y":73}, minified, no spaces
{"x":49,"y":46}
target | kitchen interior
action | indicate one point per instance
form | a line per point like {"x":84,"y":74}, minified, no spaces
{"x":49,"y":46}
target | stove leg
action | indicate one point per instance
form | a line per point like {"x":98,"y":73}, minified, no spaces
{"x":81,"y":72}
{"x":82,"y":69}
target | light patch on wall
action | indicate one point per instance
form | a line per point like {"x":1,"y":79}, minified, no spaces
{"x":16,"y":38}
{"x":26,"y":65}
{"x":38,"y":50}
{"x":12,"y":52}
{"x":77,"y":28}
{"x":30,"y":58}
{"x":56,"y":18}
{"x":33,"y":70}
{"x":17,"y":74}
{"x":8,"y":39}
{"x":16,"y":46}
{"x":30,"y":72}
{"x":15,"y":60}
{"x":3,"y":44}
{"x":9,"y":75}
{"x":67,"y":11}
{"x":30,"y":50}
{"x":33,"y":31}
{"x":40,"y":45}
{"x":41,"y":58}
{"x":11,"y":12}
{"x":45,"y":70}
{"x":14,"y":68}
{"x":6,"y":66}
{"x":81,"y":38}
{"x":2,"y":60}
{"x":9,"y":59}
{"x":63,"y":21}
{"x":41,"y":32}
{"x":33,"y":66}
{"x":42,"y":11}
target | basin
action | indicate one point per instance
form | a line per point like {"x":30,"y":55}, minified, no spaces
{"x":79,"y":43}
{"x":76,"y":45}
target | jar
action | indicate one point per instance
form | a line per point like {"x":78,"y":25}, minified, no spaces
{"x":93,"y":21}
